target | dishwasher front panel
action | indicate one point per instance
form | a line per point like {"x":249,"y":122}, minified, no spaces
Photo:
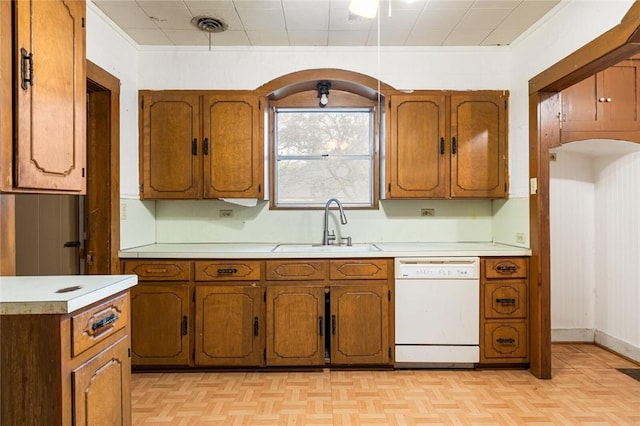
{"x":437,"y":312}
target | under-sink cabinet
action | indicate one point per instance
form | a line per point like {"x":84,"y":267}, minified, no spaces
{"x":504,"y":311}
{"x":345,"y":319}
{"x":262,"y":313}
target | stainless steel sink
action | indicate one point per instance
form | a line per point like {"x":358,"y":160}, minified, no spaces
{"x":319,"y":248}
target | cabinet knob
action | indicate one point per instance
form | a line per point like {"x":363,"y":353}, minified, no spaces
{"x":601,"y":99}
{"x":608,"y":99}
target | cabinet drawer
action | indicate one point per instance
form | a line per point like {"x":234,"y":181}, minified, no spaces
{"x":159,"y":270}
{"x":505,"y":299}
{"x":358,"y":269}
{"x":301,"y":270}
{"x":96,"y":324}
{"x":513,"y":267}
{"x":241,"y":270}
{"x":505,"y":339}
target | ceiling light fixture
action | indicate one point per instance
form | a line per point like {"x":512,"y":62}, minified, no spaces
{"x":323,"y":93}
{"x":365,"y":8}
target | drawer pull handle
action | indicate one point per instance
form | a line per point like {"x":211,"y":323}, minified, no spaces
{"x":504,"y":341}
{"x":227,"y":271}
{"x":256,"y":326}
{"x":157,"y":271}
{"x":506,"y":301}
{"x":185,"y":325}
{"x":506,"y":268}
{"x":103,"y":322}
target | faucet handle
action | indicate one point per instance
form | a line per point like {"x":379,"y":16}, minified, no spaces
{"x":349,"y":243}
{"x":331,"y":236}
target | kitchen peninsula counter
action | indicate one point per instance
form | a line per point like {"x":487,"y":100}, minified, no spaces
{"x":65,"y":350}
{"x":285,"y":250}
{"x":60,"y":294}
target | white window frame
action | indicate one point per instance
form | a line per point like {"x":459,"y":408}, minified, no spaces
{"x":370,"y":157}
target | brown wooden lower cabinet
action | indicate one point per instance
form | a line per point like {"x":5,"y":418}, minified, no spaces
{"x":295,"y":325}
{"x":257,"y":313}
{"x":229,"y":326}
{"x":504,"y":311}
{"x":360,"y":324}
{"x":160,"y":324}
{"x":94,"y":400}
{"x":52,"y":376}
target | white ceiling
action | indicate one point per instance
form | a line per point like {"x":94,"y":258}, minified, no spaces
{"x":327,"y":22}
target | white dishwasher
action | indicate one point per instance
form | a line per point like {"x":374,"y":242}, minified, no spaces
{"x":437,"y":312}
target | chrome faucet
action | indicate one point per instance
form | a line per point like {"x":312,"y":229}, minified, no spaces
{"x":326,"y":237}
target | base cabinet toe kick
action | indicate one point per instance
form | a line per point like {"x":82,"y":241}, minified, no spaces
{"x":409,"y":312}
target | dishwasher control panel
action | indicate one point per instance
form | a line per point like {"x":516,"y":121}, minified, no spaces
{"x":437,"y":268}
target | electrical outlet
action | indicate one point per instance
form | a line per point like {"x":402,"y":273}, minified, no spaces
{"x":520,"y":237}
{"x":226,"y":213}
{"x":427,"y":212}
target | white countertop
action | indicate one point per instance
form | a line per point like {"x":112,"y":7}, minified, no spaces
{"x":42,"y":295}
{"x":266,"y":250}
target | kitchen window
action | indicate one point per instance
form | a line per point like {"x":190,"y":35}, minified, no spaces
{"x":322,"y":153}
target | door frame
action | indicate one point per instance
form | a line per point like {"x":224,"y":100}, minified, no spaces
{"x":617,"y":44}
{"x":107,"y":182}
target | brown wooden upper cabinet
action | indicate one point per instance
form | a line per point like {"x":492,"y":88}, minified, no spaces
{"x":447,"y":145}
{"x":604,"y":102}
{"x":200,"y":145}
{"x":49,"y":111}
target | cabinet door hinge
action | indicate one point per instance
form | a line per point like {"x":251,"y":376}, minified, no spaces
{"x":259,"y":188}
{"x":129,"y":352}
{"x":389,"y":103}
{"x":389,"y":295}
{"x":389,"y":187}
{"x":259,"y":105}
{"x":83,"y":22}
{"x":264,"y":354}
{"x":83,"y":172}
{"x":506,"y":104}
{"x":264,"y":296}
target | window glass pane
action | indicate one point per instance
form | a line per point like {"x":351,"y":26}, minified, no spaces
{"x":341,"y":132}
{"x":313,"y":182}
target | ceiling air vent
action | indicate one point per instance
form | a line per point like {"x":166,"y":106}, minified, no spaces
{"x":209,"y":24}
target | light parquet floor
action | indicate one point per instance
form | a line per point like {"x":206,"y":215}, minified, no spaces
{"x":586,"y":389}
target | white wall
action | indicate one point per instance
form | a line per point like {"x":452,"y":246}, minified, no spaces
{"x":595,"y":256}
{"x":617,"y":253}
{"x":117,"y":54}
{"x":572,"y":204}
